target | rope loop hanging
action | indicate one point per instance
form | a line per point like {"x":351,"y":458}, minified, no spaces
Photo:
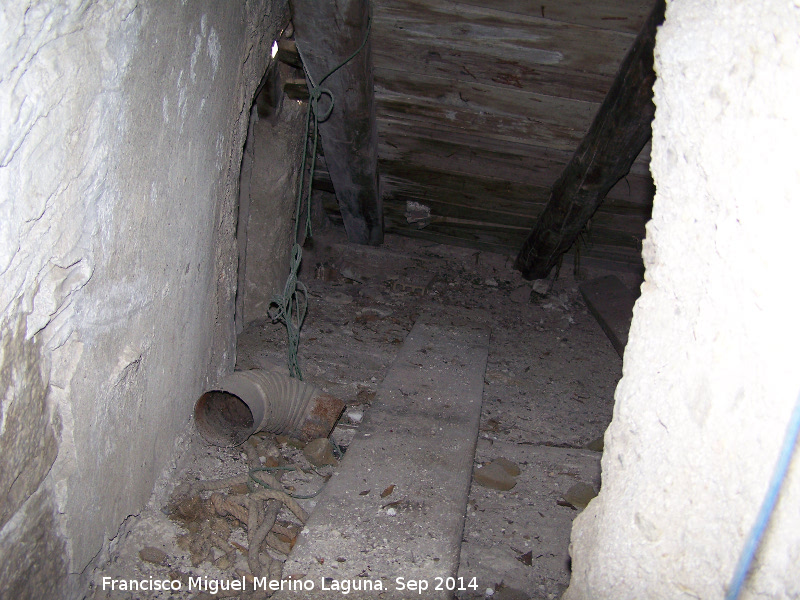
{"x":315,"y":95}
{"x":291,"y":309}
{"x":291,"y":306}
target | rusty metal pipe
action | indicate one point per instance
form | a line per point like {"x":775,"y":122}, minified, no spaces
{"x":245,"y":402}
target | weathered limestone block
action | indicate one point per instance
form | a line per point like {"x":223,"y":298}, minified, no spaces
{"x":121,"y":134}
{"x":34,"y":561}
{"x":28,"y":428}
{"x":710,"y":369}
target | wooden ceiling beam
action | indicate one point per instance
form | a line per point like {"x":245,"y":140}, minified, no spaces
{"x":326,"y":34}
{"x":618,"y":133}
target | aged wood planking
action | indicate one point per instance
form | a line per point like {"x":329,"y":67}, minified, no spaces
{"x":479,"y":109}
{"x":487,"y":125}
{"x":427,"y":183}
{"x":463,"y":165}
{"x":486,"y":111}
{"x":458,"y":93}
{"x":616,"y":15}
{"x":485,"y":193}
{"x":613,"y":257}
{"x":492,"y":200}
{"x":498,"y":48}
{"x":511,"y":234}
{"x":466,"y":152}
{"x":506,"y":241}
{"x":530,"y":39}
{"x":627,"y":228}
{"x":503,"y":210}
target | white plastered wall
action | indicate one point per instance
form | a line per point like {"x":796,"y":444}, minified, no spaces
{"x":121,"y":132}
{"x":712,"y":368}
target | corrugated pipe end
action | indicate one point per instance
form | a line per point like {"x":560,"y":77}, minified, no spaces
{"x":245,"y":402}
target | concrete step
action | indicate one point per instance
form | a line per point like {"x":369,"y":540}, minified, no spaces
{"x":395,"y":507}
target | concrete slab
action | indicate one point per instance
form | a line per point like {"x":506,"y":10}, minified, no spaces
{"x":395,"y":508}
{"x":611,"y":303}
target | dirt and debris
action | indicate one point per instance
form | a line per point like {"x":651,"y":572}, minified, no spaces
{"x":548,"y":397}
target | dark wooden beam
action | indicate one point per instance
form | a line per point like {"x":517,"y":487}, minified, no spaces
{"x":617,"y":135}
{"x":327,"y":32}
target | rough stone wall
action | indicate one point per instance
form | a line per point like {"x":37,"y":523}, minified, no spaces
{"x":121,"y":132}
{"x":277,"y":151}
{"x":711,"y":368}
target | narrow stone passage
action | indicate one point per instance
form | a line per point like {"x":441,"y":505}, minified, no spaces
{"x":547,"y":394}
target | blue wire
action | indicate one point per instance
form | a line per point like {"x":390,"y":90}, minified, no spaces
{"x":757,"y":532}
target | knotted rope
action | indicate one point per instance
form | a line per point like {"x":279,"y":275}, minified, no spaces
{"x":291,"y":306}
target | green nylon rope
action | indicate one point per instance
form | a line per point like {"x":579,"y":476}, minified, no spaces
{"x":254,"y":481}
{"x":292,"y":305}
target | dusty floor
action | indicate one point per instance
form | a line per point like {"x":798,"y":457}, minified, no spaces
{"x":548,"y":392}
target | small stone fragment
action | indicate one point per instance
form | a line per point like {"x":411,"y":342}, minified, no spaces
{"x":153,"y":555}
{"x":578,"y":496}
{"x":540,"y":286}
{"x":355,"y":416}
{"x":387,"y":491}
{"x":494,"y":476}
{"x":371,"y":292}
{"x":319,"y":452}
{"x":352,"y":275}
{"x":283,"y":537}
{"x":510,"y":467}
{"x":527,"y":558}
{"x":596,"y":445}
{"x":383,"y":313}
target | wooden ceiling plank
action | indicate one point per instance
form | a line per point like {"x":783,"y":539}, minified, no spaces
{"x":617,"y":15}
{"x":450,"y":93}
{"x":486,"y":125}
{"x":603,"y":225}
{"x":398,"y":143}
{"x":428,"y":33}
{"x":537,"y":169}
